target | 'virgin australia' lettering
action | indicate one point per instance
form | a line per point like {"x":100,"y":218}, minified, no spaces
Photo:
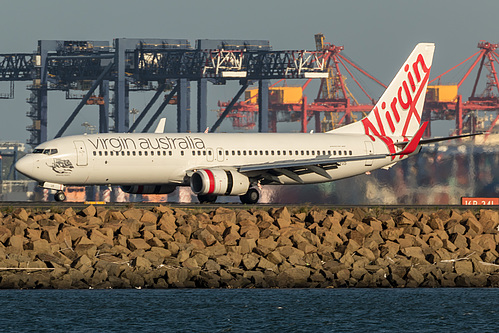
{"x":119,"y":143}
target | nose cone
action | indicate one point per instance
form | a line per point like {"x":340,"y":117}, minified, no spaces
{"x":25,"y":166}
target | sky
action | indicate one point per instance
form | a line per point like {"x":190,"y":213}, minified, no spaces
{"x":378,"y":35}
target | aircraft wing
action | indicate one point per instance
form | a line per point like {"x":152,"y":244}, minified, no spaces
{"x":294,"y":168}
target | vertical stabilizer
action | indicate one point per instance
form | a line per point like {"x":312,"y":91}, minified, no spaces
{"x":398,"y":111}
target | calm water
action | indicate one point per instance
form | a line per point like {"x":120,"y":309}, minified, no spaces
{"x":269,"y":310}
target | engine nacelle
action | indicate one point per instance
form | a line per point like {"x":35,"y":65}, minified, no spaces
{"x":219,"y":182}
{"x":148,"y":189}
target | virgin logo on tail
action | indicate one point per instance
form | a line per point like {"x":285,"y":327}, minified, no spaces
{"x":405,"y":101}
{"x":398,"y":112}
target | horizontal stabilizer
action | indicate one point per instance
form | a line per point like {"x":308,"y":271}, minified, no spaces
{"x":427,"y":141}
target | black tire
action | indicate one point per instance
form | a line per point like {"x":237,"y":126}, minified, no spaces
{"x":59,"y":196}
{"x":251,"y":197}
{"x":207,"y":198}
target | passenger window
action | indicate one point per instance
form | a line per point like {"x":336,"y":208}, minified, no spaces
{"x":296,"y":152}
{"x":266,"y":152}
{"x":345,"y":152}
{"x":284,"y":152}
{"x":95,"y":153}
{"x":105,"y":153}
{"x":140,"y":153}
{"x":308,"y":152}
{"x":170,"y":153}
{"x":133,"y":153}
{"x":111,"y":153}
{"x":249,"y":152}
{"x":261,"y":152}
{"x":193,"y":153}
{"x":256,"y":152}
{"x":339,"y":152}
{"x":182,"y":153}
{"x":351,"y":153}
{"x":244,"y":152}
{"x":303,"y":152}
{"x":239,"y":152}
{"x":329,"y":152}
{"x":209,"y":152}
{"x":334,"y":152}
{"x":323,"y":152}
{"x":313,"y":152}
{"x":271,"y":152}
{"x":204,"y":152}
{"x":278,"y":152}
{"x":145,"y":153}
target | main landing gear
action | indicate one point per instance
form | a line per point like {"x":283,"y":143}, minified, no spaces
{"x":59,"y":196}
{"x":251,"y":197}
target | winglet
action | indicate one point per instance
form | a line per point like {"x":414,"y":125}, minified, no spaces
{"x":161,"y":126}
{"x":413,"y":144}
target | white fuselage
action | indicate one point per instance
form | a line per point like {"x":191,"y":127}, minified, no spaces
{"x":155,"y":159}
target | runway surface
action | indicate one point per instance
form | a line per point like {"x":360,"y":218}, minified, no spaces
{"x":121,"y":205}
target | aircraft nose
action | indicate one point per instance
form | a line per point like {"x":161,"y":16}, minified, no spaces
{"x":25,"y":166}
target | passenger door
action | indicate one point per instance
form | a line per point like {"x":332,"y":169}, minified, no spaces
{"x":369,"y":151}
{"x":81,"y":153}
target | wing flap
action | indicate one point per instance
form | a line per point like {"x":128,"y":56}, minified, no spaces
{"x":315,"y":163}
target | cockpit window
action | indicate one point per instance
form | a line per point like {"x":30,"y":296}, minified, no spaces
{"x":49,"y":151}
{"x":37,"y":151}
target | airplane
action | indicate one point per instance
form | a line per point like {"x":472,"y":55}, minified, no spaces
{"x":237,"y":164}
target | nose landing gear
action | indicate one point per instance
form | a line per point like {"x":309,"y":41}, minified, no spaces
{"x":59,"y":196}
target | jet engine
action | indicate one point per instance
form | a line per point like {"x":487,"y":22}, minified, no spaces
{"x":219,"y":182}
{"x":148,"y":189}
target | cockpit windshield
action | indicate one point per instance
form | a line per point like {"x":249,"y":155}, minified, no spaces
{"x":46,"y":151}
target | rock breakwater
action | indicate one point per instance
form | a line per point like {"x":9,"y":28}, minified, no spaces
{"x":166,"y":247}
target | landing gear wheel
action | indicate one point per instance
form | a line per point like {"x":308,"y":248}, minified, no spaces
{"x":251,"y":197}
{"x":59,"y":196}
{"x":207,"y":198}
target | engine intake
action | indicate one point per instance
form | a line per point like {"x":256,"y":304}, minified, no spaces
{"x":148,"y":189}
{"x":219,"y":182}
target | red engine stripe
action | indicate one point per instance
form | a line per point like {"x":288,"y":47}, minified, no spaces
{"x":212,"y":181}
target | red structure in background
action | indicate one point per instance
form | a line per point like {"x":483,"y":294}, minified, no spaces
{"x":334,"y":100}
{"x":488,"y":100}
